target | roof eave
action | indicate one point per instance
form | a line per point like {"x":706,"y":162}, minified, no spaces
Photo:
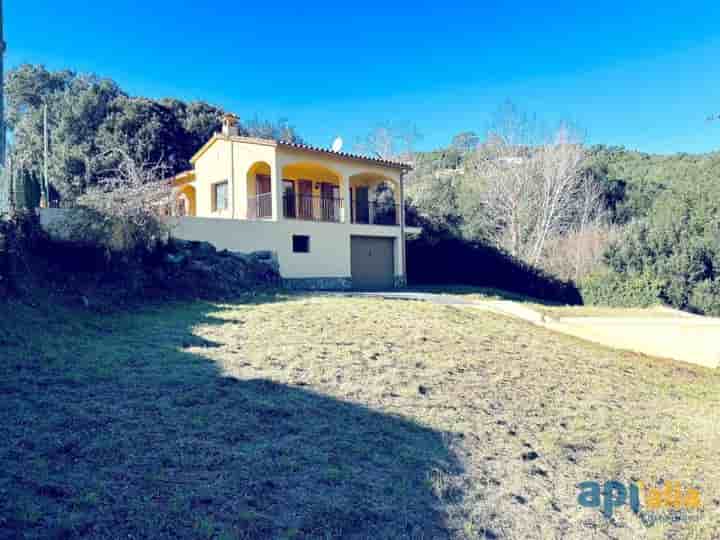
{"x":343,"y":155}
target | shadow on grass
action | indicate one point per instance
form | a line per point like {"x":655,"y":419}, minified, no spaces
{"x":117,"y":426}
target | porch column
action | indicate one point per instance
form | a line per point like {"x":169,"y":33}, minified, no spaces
{"x":276,"y":189}
{"x":345,"y":194}
{"x":401,"y":222}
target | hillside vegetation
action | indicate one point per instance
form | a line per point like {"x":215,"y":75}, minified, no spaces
{"x":653,"y":235}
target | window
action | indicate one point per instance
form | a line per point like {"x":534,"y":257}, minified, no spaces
{"x":220,"y":196}
{"x":301,"y":243}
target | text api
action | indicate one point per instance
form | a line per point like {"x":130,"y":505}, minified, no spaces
{"x":614,"y":494}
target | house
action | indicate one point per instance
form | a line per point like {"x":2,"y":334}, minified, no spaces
{"x":333,"y":220}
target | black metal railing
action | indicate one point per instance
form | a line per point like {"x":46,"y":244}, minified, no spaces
{"x":375,"y":213}
{"x":312,"y":208}
{"x":260,"y":206}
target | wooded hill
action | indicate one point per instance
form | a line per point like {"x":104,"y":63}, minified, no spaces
{"x":575,"y":212}
{"x":656,"y":238}
{"x":633,"y":179}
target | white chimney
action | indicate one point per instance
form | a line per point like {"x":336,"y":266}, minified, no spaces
{"x":230,"y":125}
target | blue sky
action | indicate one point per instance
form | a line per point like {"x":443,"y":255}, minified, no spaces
{"x":640,"y":74}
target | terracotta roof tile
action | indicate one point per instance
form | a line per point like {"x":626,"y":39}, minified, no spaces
{"x":379,"y":161}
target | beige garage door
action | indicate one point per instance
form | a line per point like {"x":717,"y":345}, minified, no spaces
{"x":372,"y":260}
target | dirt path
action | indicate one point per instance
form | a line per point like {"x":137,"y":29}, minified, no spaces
{"x":684,"y":337}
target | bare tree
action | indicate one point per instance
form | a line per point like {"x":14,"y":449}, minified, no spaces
{"x":132,"y":198}
{"x":131,"y":187}
{"x":391,"y":141}
{"x":590,"y":217}
{"x":529,"y":185}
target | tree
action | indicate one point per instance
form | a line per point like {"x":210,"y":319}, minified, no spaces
{"x":391,"y":141}
{"x":89,"y":116}
{"x":466,"y":141}
{"x":124,"y":209}
{"x":528,"y":188}
{"x":264,"y":129}
{"x":678,"y":245}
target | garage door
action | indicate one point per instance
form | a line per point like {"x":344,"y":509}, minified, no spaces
{"x":372,"y":260}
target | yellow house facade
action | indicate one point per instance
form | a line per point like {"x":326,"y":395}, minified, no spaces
{"x":332,"y":219}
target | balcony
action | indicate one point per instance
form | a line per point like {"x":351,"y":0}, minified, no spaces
{"x":312,"y":208}
{"x":323,"y":209}
{"x":260,"y":206}
{"x":375,"y":213}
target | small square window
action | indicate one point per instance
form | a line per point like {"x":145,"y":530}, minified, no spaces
{"x":301,"y":243}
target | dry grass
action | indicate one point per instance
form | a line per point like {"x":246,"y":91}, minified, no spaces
{"x":319,"y":417}
{"x":599,"y":311}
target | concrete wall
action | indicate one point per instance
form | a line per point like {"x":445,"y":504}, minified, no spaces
{"x":329,"y":255}
{"x":49,"y":216}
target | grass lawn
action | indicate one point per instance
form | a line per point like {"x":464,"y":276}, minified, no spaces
{"x":328,"y":417}
{"x":599,"y":311}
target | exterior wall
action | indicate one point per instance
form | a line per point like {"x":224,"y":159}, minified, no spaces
{"x":52,"y":217}
{"x":329,"y":255}
{"x":214,"y":167}
{"x":232,"y":159}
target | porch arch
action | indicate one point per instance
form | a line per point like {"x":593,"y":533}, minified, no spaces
{"x":259,"y":191}
{"x":186,"y":201}
{"x":375,"y":198}
{"x":312,"y":191}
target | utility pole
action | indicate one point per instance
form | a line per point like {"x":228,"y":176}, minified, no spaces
{"x":2,"y":87}
{"x":3,"y":173}
{"x":10,"y":175}
{"x":45,"y":154}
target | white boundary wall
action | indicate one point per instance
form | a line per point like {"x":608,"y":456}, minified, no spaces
{"x":329,"y":255}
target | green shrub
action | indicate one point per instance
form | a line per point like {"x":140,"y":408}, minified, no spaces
{"x":705,"y":297}
{"x":678,"y":245}
{"x":610,"y":288}
{"x":113,"y":233}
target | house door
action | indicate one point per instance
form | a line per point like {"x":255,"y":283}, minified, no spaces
{"x":372,"y":262}
{"x":289,"y":199}
{"x":362,"y":205}
{"x":262,"y":184}
{"x":305,"y":200}
{"x":329,"y":197}
{"x":263,"y":198}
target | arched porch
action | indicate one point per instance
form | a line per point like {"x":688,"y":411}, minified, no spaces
{"x":259,"y":192}
{"x":311,"y":191}
{"x":374,"y":199}
{"x":185,"y":201}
